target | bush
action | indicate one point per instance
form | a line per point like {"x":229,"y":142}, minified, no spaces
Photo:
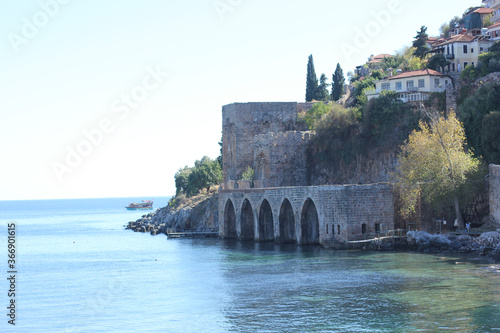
{"x":314,"y":114}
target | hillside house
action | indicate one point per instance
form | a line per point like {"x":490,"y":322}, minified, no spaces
{"x":412,"y":86}
{"x":462,"y":50}
{"x":495,"y":6}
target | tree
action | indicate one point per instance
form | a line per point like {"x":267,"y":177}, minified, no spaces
{"x":205,"y":174}
{"x":312,"y":80}
{"x":490,"y":135}
{"x":472,"y":112}
{"x":314,"y":114}
{"x":338,"y":82}
{"x":322,"y":92}
{"x":434,"y":164}
{"x":420,"y":43}
{"x":438,"y":63}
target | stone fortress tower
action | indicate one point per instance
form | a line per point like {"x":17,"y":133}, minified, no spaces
{"x":265,"y":137}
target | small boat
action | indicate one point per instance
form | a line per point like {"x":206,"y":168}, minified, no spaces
{"x":145,"y":204}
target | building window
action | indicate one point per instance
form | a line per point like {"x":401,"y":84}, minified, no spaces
{"x":436,"y":82}
{"x":377,"y":228}
{"x":399,"y":86}
{"x":471,"y":50}
{"x":421,"y":83}
{"x":333,"y":229}
{"x":327,"y":229}
{"x":481,"y":49}
{"x":386,"y":86}
{"x":409,"y":84}
{"x":453,"y":67}
{"x":465,"y":48}
{"x":338,"y":229}
{"x":445,"y":82}
{"x":473,"y":64}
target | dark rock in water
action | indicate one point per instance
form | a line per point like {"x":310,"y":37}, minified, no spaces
{"x":485,"y":250}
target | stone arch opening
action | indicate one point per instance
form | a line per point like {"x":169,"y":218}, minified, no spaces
{"x":266,"y":222}
{"x":229,"y":220}
{"x":247,"y":221}
{"x":287,"y":223}
{"x":309,"y":223}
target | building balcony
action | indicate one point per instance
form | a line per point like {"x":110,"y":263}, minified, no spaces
{"x":450,"y":56}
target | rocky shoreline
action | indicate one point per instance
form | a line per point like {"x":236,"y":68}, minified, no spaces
{"x":485,"y":244}
{"x":198,"y":215}
{"x":201,"y":216}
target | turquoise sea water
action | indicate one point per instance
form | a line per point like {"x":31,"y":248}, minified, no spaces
{"x":80,"y":271}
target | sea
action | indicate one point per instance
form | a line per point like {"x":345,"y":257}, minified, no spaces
{"x":77,"y":269}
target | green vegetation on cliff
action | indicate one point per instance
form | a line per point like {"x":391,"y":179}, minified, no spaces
{"x":479,"y":113}
{"x":190,"y":181}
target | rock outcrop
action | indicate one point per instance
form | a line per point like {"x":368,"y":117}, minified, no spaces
{"x":197,"y":216}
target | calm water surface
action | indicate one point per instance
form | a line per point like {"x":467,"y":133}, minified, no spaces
{"x":80,"y":271}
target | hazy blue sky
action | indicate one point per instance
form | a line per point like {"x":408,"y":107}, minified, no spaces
{"x":137,"y":86}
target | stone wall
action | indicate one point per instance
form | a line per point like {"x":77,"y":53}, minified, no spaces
{"x":241,"y":122}
{"x":495,"y":192}
{"x":328,"y":215}
{"x":280,"y":159}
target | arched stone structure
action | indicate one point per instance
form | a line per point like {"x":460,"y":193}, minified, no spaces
{"x":309,"y":223}
{"x":287,"y":223}
{"x":229,"y":220}
{"x":300,"y":214}
{"x":247,"y":221}
{"x":266,"y":222}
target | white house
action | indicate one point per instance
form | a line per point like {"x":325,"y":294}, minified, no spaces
{"x":412,"y":86}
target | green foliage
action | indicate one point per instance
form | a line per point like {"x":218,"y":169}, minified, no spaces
{"x":360,"y":87}
{"x":391,"y":62}
{"x":420,"y":43}
{"x":434,"y":164}
{"x":472,"y":111}
{"x":338,"y":82}
{"x":205,"y":174}
{"x":437,"y":62}
{"x":383,"y":114}
{"x":322,"y":92}
{"x":314,"y":114}
{"x":490,"y":137}
{"x":311,"y":81}
{"x":469,"y":74}
{"x":248,"y":174}
{"x":335,"y":135}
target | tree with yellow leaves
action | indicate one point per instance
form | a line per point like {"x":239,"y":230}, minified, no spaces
{"x":434,"y":163}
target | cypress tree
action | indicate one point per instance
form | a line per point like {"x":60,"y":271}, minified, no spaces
{"x":338,"y":82}
{"x":312,"y":80}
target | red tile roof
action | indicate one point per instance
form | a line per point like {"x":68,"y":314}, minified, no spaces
{"x":484,"y":10}
{"x":379,"y":58}
{"x":421,"y":72}
{"x":496,"y":25}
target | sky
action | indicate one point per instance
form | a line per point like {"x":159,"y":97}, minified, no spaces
{"x":111,"y":98}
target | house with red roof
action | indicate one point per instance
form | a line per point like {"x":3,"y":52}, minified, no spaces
{"x":412,"y":86}
{"x":462,"y":50}
{"x":493,"y":5}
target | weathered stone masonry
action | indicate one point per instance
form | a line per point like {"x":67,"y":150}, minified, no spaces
{"x":281,"y":207}
{"x":495,"y":192}
{"x":328,"y":215}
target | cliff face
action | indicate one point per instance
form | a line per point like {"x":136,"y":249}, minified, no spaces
{"x":374,"y":167}
{"x":200,"y":215}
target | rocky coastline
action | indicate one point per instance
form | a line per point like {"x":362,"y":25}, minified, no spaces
{"x":199,"y":214}
{"x":484,"y":244}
